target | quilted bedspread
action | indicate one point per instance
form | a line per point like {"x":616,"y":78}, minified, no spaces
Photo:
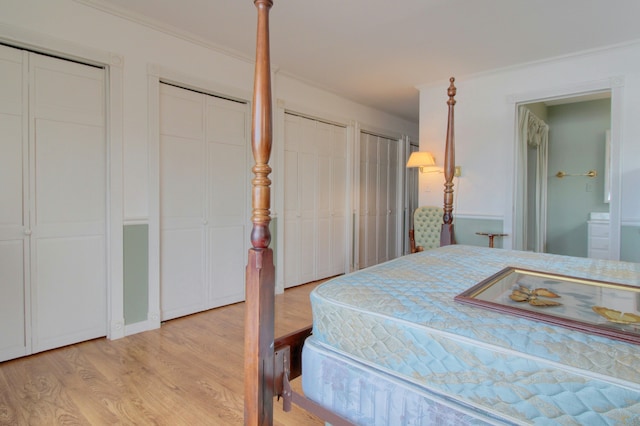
{"x":400,"y":317}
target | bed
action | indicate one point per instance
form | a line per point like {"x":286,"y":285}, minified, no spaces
{"x":391,"y":346}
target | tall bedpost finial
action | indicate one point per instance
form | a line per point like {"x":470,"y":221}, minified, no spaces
{"x":261,"y":131}
{"x":446,"y":234}
{"x":260,"y":273}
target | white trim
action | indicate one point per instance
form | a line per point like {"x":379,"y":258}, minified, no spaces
{"x":164,"y":28}
{"x":478,"y":216}
{"x":615,"y":85}
{"x":153,"y":105}
{"x":211,"y":87}
{"x":525,"y":65}
{"x":115,"y":246}
{"x":313,"y":114}
{"x":139,"y":327}
{"x":113,"y":64}
{"x":135,"y":221}
{"x":631,"y":222}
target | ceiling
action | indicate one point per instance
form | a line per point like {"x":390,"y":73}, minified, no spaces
{"x":376,"y":52}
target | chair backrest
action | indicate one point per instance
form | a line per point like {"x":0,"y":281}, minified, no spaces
{"x":427,"y":222}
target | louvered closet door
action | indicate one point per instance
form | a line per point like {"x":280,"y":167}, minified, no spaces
{"x":367,"y":232}
{"x":394,"y":215}
{"x":14,"y":300}
{"x":382,"y":207}
{"x":203,"y":201}
{"x":68,"y":202}
{"x":378,"y":213}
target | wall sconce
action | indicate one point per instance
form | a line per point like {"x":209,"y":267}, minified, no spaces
{"x":424,"y":160}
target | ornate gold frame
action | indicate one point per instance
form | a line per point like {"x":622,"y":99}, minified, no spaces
{"x":597,"y":307}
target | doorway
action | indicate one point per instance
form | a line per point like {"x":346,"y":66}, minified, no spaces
{"x":555,"y":211}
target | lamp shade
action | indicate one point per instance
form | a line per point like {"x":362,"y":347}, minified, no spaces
{"x":421,"y":159}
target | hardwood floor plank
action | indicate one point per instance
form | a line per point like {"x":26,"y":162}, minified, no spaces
{"x":188,"y":372}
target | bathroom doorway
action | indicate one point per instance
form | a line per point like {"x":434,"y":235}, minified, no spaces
{"x":565,"y":185}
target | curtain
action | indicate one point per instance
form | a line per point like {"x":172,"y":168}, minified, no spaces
{"x":534,"y":133}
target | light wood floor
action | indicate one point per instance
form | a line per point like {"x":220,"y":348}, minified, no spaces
{"x":188,"y":372}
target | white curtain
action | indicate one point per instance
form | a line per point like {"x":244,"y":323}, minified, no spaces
{"x":534,"y":133}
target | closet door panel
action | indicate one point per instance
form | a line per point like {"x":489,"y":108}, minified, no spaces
{"x":13,"y":242}
{"x":70,"y":170}
{"x":68,"y":215}
{"x":204,"y":201}
{"x":394,"y":216}
{"x":312,"y":182}
{"x":292,"y":237}
{"x":227,"y":250}
{"x":291,"y":217}
{"x":182,"y":288}
{"x":227,"y":199}
{"x":339,"y":242}
{"x":227,"y":183}
{"x":382,"y":208}
{"x":13,"y":338}
{"x":182,"y":207}
{"x":307,"y":194}
{"x":371,"y":213}
{"x":182,"y":244}
{"x":324,"y":221}
{"x":70,"y":296}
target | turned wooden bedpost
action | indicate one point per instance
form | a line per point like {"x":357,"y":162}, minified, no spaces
{"x":260,"y":273}
{"x":446,"y":233}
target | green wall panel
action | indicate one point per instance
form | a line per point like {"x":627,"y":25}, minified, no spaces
{"x":630,"y":243}
{"x":465,"y":231}
{"x":136,"y":273}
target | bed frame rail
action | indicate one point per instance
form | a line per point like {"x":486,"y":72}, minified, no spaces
{"x":288,"y":366}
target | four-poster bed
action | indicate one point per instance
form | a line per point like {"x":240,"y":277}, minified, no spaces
{"x":391,"y":346}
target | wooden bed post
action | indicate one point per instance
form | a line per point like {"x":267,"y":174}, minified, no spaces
{"x":446,"y":233}
{"x":260,"y":273}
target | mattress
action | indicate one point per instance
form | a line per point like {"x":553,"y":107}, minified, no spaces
{"x":395,"y":326}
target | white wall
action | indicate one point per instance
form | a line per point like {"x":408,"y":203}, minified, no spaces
{"x":485,"y":126}
{"x":141,"y":46}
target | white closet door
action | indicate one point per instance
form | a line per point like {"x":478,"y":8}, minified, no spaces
{"x":300,"y":200}
{"x":332,"y":192}
{"x":324,"y":136}
{"x":204,"y":197}
{"x":228,"y":199}
{"x":314,"y":200}
{"x":14,"y":300}
{"x":182,"y":202}
{"x":68,"y":207}
{"x":339,"y":192}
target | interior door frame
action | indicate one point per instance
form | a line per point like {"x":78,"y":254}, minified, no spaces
{"x":614,"y":85}
{"x":113,"y":65}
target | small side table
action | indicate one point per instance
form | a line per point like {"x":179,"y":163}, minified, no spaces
{"x":491,"y":236}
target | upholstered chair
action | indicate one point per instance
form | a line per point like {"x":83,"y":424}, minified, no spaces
{"x":427,"y":222}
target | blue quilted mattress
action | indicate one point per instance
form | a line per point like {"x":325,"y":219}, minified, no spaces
{"x":391,"y":346}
